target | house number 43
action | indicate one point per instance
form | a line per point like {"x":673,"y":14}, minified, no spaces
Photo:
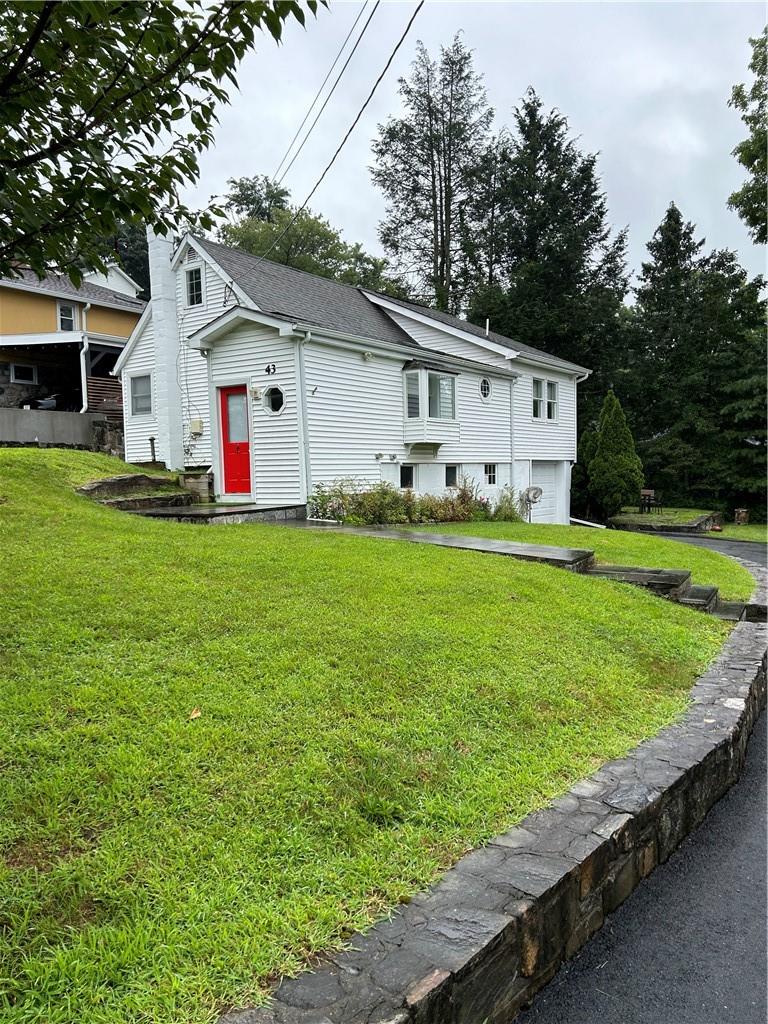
{"x":269,"y":369}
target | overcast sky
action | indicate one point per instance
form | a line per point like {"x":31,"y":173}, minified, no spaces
{"x":645,"y":84}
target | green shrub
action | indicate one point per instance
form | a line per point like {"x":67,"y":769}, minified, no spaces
{"x":351,"y":502}
{"x":615,"y":471}
{"x":507,"y":507}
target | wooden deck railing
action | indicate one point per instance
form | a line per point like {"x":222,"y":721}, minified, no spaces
{"x":105,"y":395}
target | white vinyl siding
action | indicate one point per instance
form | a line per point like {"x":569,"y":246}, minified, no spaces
{"x":441,"y":341}
{"x":138,"y":430}
{"x":241,"y":358}
{"x":354,"y":410}
{"x":544,"y":438}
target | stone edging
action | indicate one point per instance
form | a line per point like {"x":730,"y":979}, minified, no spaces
{"x":479,"y":944}
{"x":701,"y":524}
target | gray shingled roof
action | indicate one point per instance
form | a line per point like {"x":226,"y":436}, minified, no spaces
{"x":298,"y":295}
{"x":292,"y":293}
{"x":87,"y":292}
{"x":479,"y":332}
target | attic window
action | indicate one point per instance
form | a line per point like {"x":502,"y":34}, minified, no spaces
{"x":194,"y":282}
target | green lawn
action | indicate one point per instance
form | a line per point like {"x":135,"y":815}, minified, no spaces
{"x":622,"y":548}
{"x":752,"y":531}
{"x":669,"y":516}
{"x":368,"y":711}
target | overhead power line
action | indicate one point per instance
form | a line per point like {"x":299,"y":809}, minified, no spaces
{"x":351,"y":128}
{"x":333,"y":89}
{"x":319,"y":91}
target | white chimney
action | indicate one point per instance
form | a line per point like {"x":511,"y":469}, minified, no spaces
{"x":165,"y":325}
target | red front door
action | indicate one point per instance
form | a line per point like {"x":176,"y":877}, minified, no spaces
{"x":236,"y":448}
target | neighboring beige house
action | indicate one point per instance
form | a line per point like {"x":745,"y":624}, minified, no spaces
{"x":59,"y":343}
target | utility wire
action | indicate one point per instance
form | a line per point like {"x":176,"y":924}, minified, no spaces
{"x":319,"y":92}
{"x":333,"y":88}
{"x":351,"y":128}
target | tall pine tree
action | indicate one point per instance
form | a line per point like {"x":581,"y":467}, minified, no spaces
{"x":752,"y":153}
{"x":425,"y":163}
{"x":548,"y":270}
{"x":696,"y":396}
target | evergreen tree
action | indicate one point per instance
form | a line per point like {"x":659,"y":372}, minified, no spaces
{"x":752,"y":153}
{"x":580,"y":497}
{"x":549,"y":272}
{"x":696,"y":394}
{"x":615,"y":470}
{"x":425,"y":163}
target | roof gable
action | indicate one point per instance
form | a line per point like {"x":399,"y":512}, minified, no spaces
{"x":295,"y":294}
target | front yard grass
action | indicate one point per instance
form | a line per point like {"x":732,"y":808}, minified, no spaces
{"x":620,"y":547}
{"x":225,"y":747}
{"x":667,"y":517}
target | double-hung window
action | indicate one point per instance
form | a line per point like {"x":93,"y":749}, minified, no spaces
{"x":551,"y":400}
{"x":490,"y":473}
{"x":141,"y":395}
{"x":67,"y":316}
{"x":194,"y":282}
{"x":442,"y":397}
{"x":412,"y":401}
{"x":544,"y":399}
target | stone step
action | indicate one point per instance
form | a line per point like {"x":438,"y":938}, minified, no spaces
{"x":702,"y":598}
{"x":126,"y":483}
{"x":730,"y":611}
{"x":149,"y":501}
{"x":671,"y":583}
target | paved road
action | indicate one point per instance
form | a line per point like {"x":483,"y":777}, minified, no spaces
{"x":688,"y":947}
{"x":750,"y":550}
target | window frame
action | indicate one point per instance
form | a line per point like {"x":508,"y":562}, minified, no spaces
{"x":489,"y":382}
{"x":188,"y":272}
{"x":146,"y":413}
{"x":440,"y":377}
{"x":74,"y":317}
{"x":265,"y":400}
{"x":543,"y":401}
{"x":415,"y":375}
{"x":455,"y":467}
{"x":412,"y":486}
{"x":490,"y":473}
{"x":21,"y":380}
{"x":552,"y":401}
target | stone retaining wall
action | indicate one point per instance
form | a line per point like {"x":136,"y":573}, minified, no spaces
{"x":477,"y":946}
{"x":702,"y":524}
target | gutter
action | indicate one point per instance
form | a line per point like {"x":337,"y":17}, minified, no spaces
{"x":303,"y":413}
{"x":83,"y":358}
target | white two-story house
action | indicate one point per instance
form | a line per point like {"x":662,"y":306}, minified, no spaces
{"x":279,"y":380}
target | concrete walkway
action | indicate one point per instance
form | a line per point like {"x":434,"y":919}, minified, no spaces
{"x":688,"y":947}
{"x":577,"y":559}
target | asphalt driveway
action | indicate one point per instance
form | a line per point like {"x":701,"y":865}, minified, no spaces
{"x":749,"y":549}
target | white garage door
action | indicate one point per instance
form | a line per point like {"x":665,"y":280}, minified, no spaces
{"x":544,"y":475}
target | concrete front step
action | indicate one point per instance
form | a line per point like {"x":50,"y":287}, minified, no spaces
{"x":224,"y":514}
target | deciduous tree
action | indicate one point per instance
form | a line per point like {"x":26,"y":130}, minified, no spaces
{"x":749,"y":201}
{"x":105,"y":108}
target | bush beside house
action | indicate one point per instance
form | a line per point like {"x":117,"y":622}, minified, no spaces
{"x":351,"y":502}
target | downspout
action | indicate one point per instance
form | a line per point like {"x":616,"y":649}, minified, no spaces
{"x":84,"y":359}
{"x":512,"y":383}
{"x":303,"y":416}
